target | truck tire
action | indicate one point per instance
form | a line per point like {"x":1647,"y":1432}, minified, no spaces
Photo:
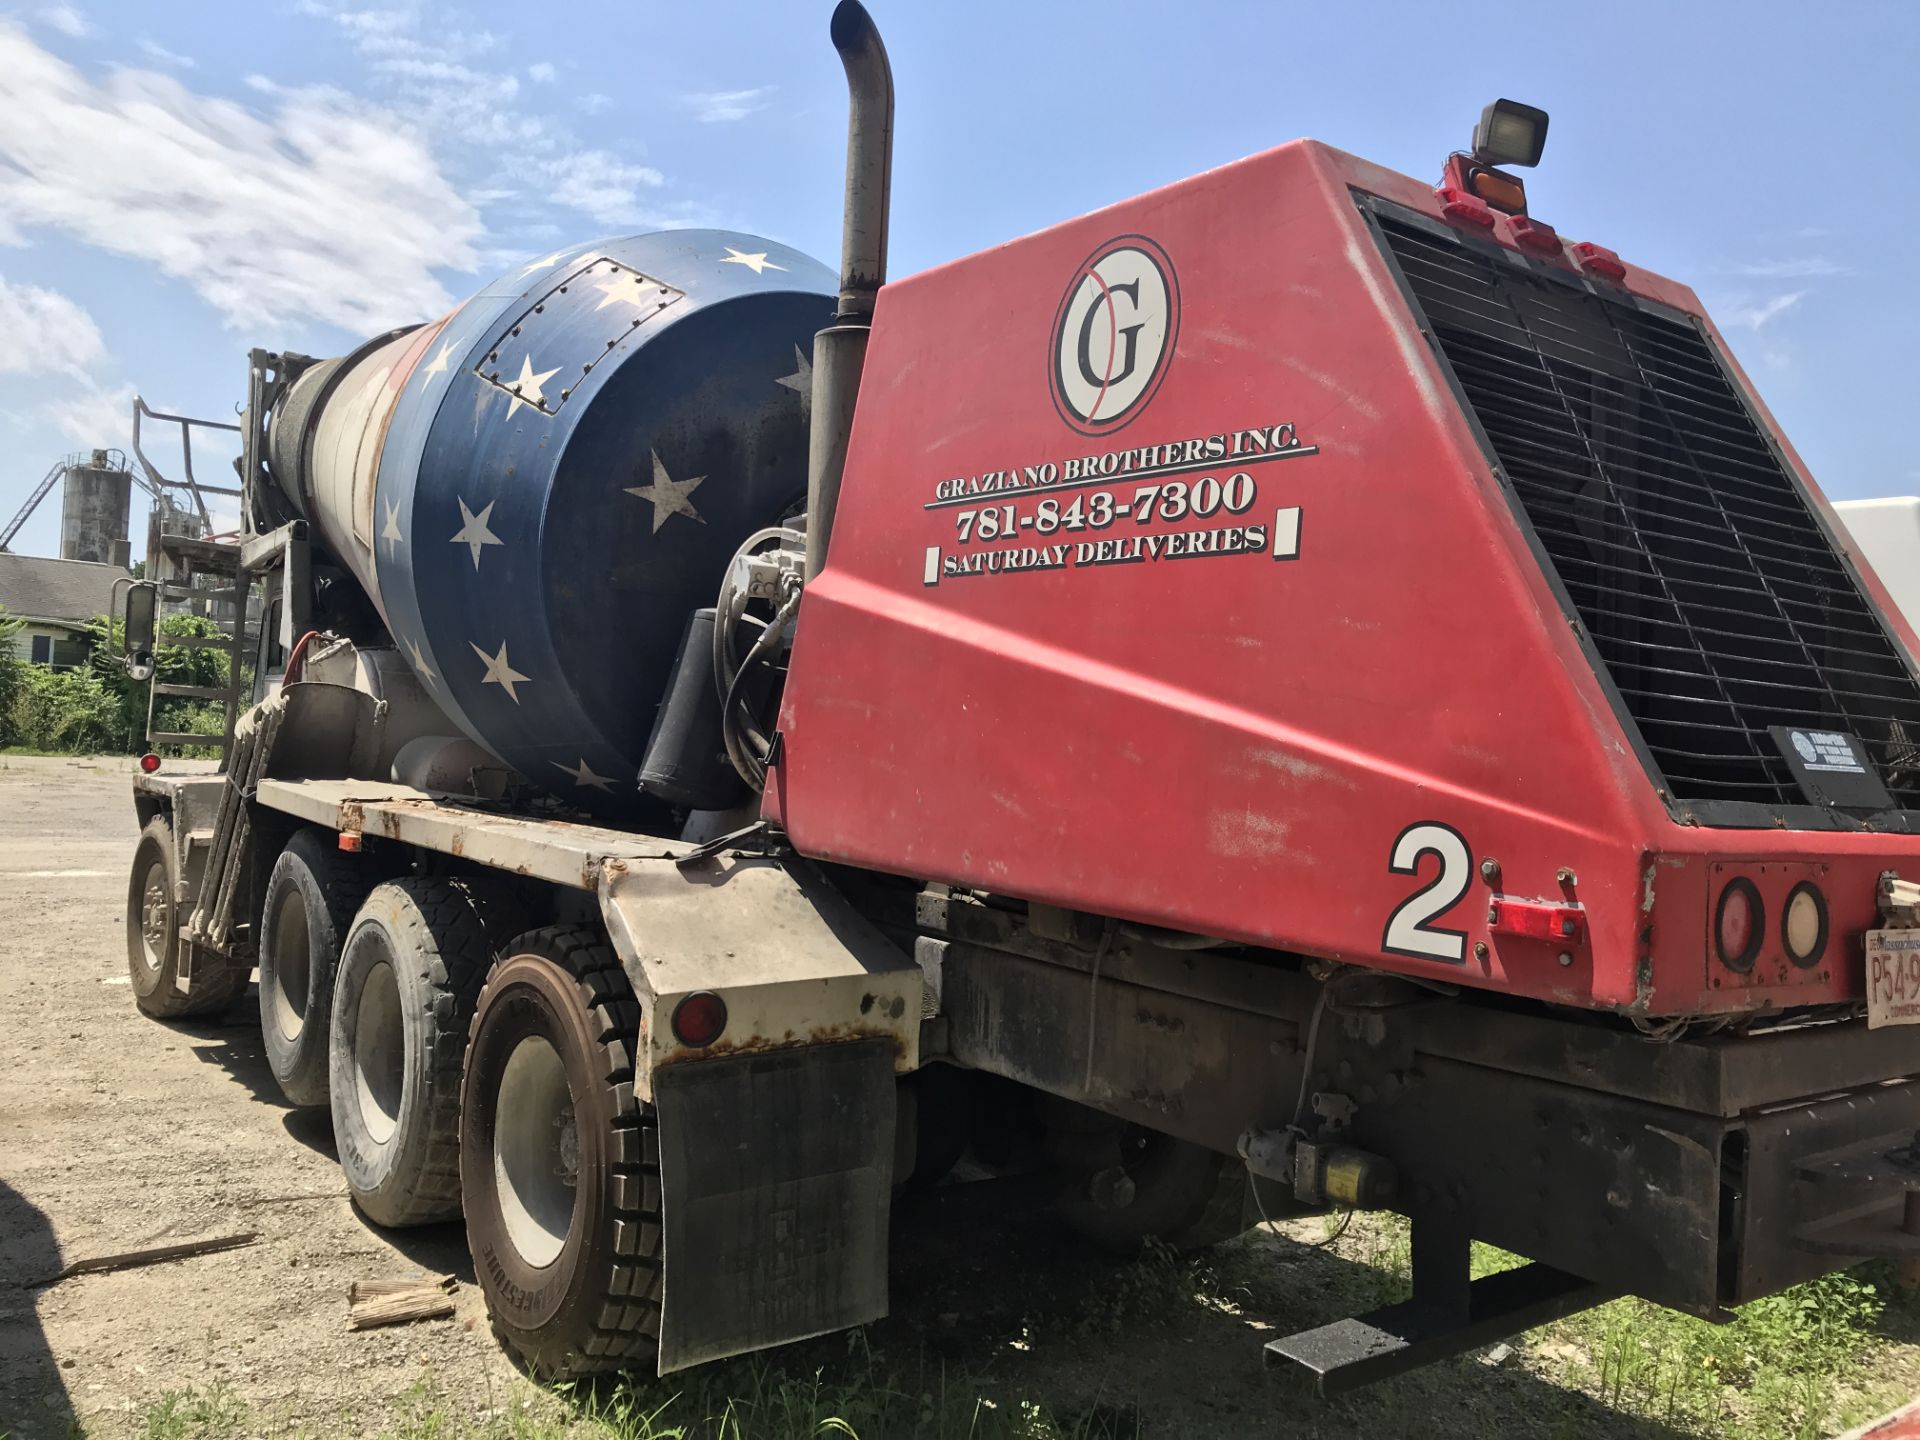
{"x":412,"y":966}
{"x":312,"y":896}
{"x":154,"y":947}
{"x":559,"y":1162}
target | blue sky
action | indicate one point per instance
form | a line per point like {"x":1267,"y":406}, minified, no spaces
{"x":178,"y":183}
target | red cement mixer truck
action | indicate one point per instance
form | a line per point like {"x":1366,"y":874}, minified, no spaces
{"x":1306,"y":689}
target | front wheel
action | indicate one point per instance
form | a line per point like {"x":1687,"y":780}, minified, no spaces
{"x":156,"y":955}
{"x":559,"y":1163}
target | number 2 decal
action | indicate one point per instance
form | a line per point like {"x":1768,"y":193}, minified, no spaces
{"x":1408,"y":932}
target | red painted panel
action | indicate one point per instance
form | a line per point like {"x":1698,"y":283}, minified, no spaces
{"x":1276,"y":666}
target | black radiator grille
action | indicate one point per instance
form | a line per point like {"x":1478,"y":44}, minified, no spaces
{"x":1709,"y":591}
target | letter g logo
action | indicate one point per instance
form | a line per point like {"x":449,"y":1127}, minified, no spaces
{"x":1114,"y":334}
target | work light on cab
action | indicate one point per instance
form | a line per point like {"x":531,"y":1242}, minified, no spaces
{"x":1509,"y":133}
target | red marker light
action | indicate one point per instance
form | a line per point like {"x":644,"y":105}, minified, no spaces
{"x":149,"y":762}
{"x":1537,"y":920}
{"x":1532,"y":235}
{"x":698,"y":1019}
{"x":1463,"y":208}
{"x":1598,"y":260}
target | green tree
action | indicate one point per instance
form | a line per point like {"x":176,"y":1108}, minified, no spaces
{"x":97,"y":707}
{"x":173,"y":664}
{"x":65,"y":712}
{"x":12,"y":675}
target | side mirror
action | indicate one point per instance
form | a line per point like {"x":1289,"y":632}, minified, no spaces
{"x":143,"y":606}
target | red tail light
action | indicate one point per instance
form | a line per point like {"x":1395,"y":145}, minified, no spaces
{"x":1739,"y":924}
{"x":149,"y":762}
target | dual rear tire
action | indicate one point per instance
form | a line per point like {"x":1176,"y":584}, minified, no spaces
{"x":458,"y":1084}
{"x":410,"y":971}
{"x":311,"y":899}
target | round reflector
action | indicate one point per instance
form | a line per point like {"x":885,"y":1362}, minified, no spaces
{"x":1737,"y":927}
{"x":699,"y":1019}
{"x":1803,"y":928}
{"x":149,"y":762}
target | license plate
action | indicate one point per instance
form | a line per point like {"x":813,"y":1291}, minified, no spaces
{"x":1893,"y":978}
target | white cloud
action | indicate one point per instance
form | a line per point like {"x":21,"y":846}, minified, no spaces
{"x":439,"y":77}
{"x":329,"y":209}
{"x":97,"y":418}
{"x":45,"y":331}
{"x":165,"y":56}
{"x":67,"y":20}
{"x":601,"y":185}
{"x":717,"y":106}
{"x":1754,"y":314}
{"x":1808,"y":267}
{"x":593,"y":102}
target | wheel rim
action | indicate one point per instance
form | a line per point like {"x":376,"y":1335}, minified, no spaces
{"x":536,"y":1151}
{"x":292,"y":966}
{"x":155,"y":908}
{"x":379,"y":1053}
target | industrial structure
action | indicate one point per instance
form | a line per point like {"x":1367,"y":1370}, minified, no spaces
{"x":1216,"y":727}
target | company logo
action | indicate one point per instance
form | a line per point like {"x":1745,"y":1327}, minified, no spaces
{"x":1114,"y":334}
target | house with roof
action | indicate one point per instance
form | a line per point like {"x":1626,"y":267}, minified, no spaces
{"x":56,"y":599}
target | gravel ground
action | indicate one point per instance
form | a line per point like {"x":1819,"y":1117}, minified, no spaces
{"x":118,"y":1132}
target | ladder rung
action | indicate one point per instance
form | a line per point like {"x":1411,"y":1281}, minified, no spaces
{"x":168,"y":737}
{"x":192,"y":692}
{"x":189,"y":592}
{"x":201,"y":642}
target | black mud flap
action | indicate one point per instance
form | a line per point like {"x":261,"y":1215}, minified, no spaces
{"x":776,"y":1173}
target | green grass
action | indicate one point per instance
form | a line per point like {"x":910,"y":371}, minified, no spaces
{"x":1793,"y":1365}
{"x":211,"y":1414}
{"x":1808,"y":1363}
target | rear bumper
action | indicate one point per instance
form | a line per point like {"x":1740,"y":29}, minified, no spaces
{"x":1820,"y":1185}
{"x":1699,"y":1173}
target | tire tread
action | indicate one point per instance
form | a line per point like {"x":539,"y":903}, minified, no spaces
{"x":627,"y":1300}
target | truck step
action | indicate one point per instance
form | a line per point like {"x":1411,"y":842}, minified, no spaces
{"x":1350,"y":1353}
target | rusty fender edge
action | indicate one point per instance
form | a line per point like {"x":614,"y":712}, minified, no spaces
{"x":795,"y":963}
